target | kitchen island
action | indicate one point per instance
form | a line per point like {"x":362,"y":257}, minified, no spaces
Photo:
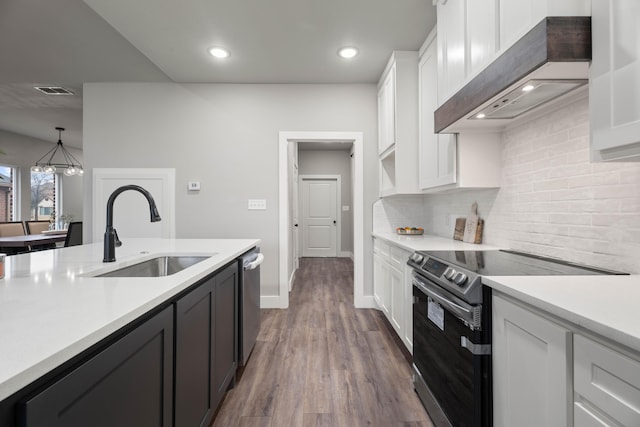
{"x":53,"y":311}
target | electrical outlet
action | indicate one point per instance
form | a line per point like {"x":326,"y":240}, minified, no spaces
{"x":257,"y":205}
{"x":193,"y":186}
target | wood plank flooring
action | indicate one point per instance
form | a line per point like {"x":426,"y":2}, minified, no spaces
{"x":323,"y":363}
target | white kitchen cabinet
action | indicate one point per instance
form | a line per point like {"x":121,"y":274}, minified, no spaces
{"x":381,"y":281}
{"x":467,"y":41}
{"x":392,"y":289}
{"x":387,"y":112}
{"x":518,"y":17}
{"x":398,"y":124}
{"x":437,"y":151}
{"x":614,"y":80}
{"x":397,"y":260}
{"x":531,"y":368}
{"x":451,"y":47}
{"x":450,"y":161}
{"x":407,"y":336}
{"x":471,"y":34}
{"x":606,"y":383}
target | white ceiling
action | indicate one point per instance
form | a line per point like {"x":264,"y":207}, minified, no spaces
{"x":70,"y":42}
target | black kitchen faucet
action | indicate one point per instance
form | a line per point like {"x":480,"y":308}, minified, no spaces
{"x":111,"y":239}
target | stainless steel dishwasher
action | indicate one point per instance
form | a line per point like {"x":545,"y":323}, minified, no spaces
{"x":249,"y":299}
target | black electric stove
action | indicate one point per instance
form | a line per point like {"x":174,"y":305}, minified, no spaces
{"x":452,"y":327}
{"x":460,"y":272}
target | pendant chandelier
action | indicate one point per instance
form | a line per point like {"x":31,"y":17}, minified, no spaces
{"x":65,"y":160}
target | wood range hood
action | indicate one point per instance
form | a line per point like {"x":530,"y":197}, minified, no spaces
{"x":548,"y":62}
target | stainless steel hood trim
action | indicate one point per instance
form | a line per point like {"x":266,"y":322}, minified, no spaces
{"x":553,"y":40}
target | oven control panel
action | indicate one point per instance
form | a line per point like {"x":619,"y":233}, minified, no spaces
{"x":454,"y":276}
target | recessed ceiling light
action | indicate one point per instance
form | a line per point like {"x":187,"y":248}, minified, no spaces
{"x":347,"y":52}
{"x":528,"y":88}
{"x":218,"y":52}
{"x":481,"y":116}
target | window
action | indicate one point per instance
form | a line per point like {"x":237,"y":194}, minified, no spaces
{"x":44,"y":189}
{"x":7,"y":191}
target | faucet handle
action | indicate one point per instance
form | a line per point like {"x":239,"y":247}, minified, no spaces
{"x":117,"y":240}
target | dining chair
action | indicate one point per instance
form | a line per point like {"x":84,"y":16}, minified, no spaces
{"x":74,"y":234}
{"x":10,"y":229}
{"x":36,"y":227}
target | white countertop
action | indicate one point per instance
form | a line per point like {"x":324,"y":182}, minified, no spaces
{"x":426,"y":242}
{"x":50,"y":310}
{"x":604,"y":305}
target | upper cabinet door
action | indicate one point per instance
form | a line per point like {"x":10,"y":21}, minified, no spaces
{"x":451,"y":48}
{"x":437,"y":152}
{"x":614,"y":80}
{"x":482,"y":34}
{"x":518,"y":17}
{"x":387,"y":112}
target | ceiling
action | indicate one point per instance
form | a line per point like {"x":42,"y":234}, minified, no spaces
{"x":71,"y":42}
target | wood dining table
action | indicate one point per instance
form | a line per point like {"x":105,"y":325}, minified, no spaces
{"x":31,"y":240}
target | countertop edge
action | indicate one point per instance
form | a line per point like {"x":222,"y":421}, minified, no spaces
{"x":580,"y":320}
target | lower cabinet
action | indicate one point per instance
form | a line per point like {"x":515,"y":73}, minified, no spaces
{"x":531,"y":368}
{"x":548,"y":374}
{"x":130,"y":383}
{"x":607,"y":385}
{"x":205,"y":347}
{"x":154,"y":373}
{"x":392,"y":288}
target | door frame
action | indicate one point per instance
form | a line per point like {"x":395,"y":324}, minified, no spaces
{"x":284,"y":139}
{"x":338,"y":181}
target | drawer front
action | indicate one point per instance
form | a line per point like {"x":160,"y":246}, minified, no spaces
{"x":585,"y":417}
{"x":399,"y":257}
{"x":380,"y":247}
{"x":607,"y":379}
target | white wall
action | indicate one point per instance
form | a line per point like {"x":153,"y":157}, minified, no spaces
{"x":22,"y":152}
{"x":333,"y":162}
{"x":553,"y":201}
{"x":225,"y":136}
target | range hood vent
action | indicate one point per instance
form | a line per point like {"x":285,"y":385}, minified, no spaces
{"x":548,"y":62}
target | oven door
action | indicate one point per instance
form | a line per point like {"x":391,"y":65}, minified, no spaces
{"x":453,"y":359}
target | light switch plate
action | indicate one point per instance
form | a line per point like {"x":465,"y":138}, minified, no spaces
{"x":257,"y":205}
{"x":345,"y":208}
{"x":193,"y":186}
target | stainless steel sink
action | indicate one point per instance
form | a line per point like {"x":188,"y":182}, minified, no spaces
{"x":156,"y":267}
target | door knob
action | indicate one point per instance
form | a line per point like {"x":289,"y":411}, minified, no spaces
{"x":334,"y":221}
{"x":295,"y":225}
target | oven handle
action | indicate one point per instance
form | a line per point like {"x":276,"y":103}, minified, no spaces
{"x":470,"y":315}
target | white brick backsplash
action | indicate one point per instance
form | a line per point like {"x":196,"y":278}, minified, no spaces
{"x":553,"y":200}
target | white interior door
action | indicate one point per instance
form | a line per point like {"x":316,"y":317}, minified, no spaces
{"x":319,"y":217}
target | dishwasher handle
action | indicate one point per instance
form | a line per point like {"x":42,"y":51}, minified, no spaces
{"x":255,"y":263}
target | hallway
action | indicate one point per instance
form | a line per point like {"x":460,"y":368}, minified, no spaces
{"x":324,"y":363}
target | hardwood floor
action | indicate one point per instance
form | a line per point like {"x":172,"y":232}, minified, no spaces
{"x":323,"y":363}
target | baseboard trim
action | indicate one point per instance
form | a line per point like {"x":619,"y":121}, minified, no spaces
{"x":365,"y":301}
{"x":274,"y":301}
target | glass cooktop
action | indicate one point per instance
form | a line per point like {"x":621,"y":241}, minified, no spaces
{"x":512,"y":263}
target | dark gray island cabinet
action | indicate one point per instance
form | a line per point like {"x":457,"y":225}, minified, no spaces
{"x":170,"y":368}
{"x":206,"y":321}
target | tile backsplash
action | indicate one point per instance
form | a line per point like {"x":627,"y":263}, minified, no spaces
{"x":552,"y":201}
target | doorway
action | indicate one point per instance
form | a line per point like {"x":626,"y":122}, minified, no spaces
{"x":286,"y":225}
{"x":319,"y":209}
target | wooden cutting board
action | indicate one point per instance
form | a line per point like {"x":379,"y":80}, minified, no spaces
{"x":458,"y":232}
{"x":471,"y":225}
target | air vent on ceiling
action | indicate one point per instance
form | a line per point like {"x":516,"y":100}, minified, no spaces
{"x":53,"y":90}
